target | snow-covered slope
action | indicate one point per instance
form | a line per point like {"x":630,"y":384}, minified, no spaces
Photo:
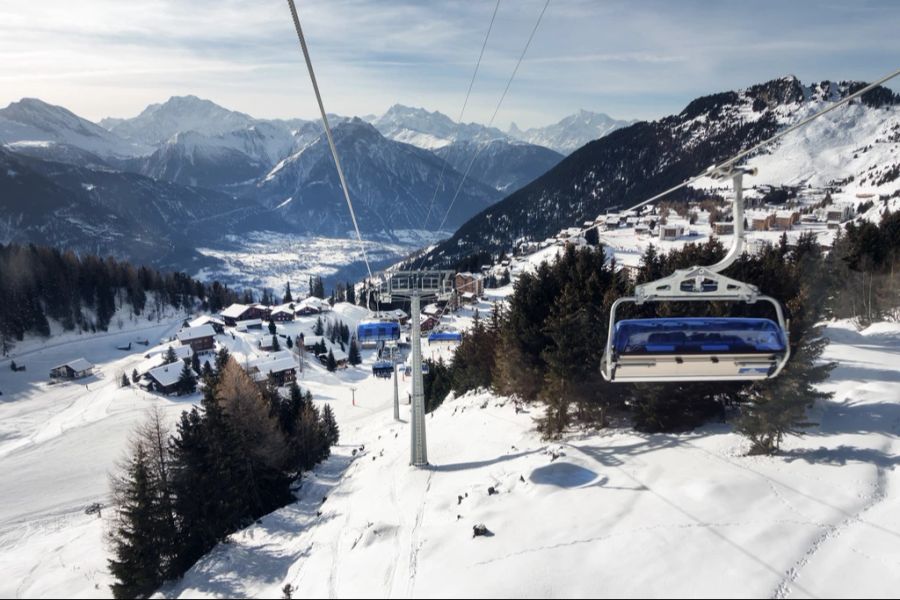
{"x":601,"y":514}
{"x":570,"y":133}
{"x":33,"y":120}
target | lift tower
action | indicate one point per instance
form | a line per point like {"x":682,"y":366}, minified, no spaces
{"x":416,"y":286}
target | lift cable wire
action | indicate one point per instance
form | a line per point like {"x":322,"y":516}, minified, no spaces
{"x":462,"y":110}
{"x":334,"y":154}
{"x":491,"y":122}
{"x":731,"y":161}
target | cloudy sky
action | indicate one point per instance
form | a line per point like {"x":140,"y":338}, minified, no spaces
{"x":631,"y":59}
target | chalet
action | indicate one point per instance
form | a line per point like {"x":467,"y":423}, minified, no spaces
{"x":612,"y":222}
{"x":468,"y":298}
{"x":217,"y":324}
{"x":265,"y":341}
{"x":397,"y":315}
{"x":724,"y":228}
{"x":249,"y":324}
{"x":242,"y":312}
{"x":311,"y":341}
{"x":282,"y":314}
{"x":642,"y":229}
{"x":839,"y":213}
{"x":340,"y":357}
{"x":432,"y":310}
{"x":671,"y":232}
{"x":428,"y":323}
{"x":311,"y":306}
{"x":200,"y":338}
{"x":158,"y":355}
{"x":74,"y":369}
{"x":164,"y":379}
{"x":282,"y":366}
{"x":786,"y":219}
{"x":470,"y":282}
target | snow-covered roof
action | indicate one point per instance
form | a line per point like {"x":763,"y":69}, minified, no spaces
{"x":203,"y":320}
{"x":310,"y":340}
{"x":234,"y":311}
{"x":79,"y":364}
{"x":157,"y":357}
{"x":282,"y":310}
{"x":313,"y":302}
{"x":275,"y":362}
{"x":192,"y":333}
{"x":249,"y":322}
{"x":167,"y":375}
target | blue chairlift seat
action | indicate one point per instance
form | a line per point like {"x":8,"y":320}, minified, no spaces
{"x":697,"y":349}
{"x":372,"y":332}
{"x":383,"y":368}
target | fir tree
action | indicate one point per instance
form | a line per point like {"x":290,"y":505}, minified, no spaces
{"x":137,"y":559}
{"x":331,"y":363}
{"x":272,"y":327}
{"x":319,"y":328}
{"x":125,"y":381}
{"x":135,"y":377}
{"x":170,"y":357}
{"x":187,"y":380}
{"x":329,"y":426}
{"x":195,"y":362}
{"x":276,"y":346}
{"x":222,"y":358}
{"x":288,"y":297}
{"x":354,"y":356}
{"x":289,"y":343}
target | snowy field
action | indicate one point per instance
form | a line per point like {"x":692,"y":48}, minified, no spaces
{"x":605,"y":513}
{"x":611,"y":513}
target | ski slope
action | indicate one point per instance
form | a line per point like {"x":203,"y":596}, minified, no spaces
{"x":609,"y":513}
{"x":599,"y":513}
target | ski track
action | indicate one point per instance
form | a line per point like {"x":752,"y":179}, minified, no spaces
{"x":832,"y":532}
{"x":415,"y":541}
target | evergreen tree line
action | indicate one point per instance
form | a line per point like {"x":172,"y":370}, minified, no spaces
{"x":548,"y":342}
{"x":38,"y":283}
{"x":228,"y":462}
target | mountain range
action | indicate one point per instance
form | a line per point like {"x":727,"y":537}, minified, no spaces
{"x":187,"y":162}
{"x":857,"y":145}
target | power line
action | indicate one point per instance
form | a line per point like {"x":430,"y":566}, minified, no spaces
{"x":494,"y":116}
{"x":462,"y":110}
{"x":334,"y":154}
{"x":777,"y":136}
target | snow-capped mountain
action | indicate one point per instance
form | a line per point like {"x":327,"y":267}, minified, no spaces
{"x":159,"y":122}
{"x":857,"y":145}
{"x":391,"y":183}
{"x":430,"y":130}
{"x":503,"y":165}
{"x":33,"y":120}
{"x":570,"y":133}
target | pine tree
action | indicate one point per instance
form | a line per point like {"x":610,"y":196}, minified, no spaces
{"x":272,"y":327}
{"x":170,"y":357}
{"x":319,"y":328}
{"x":137,"y":560}
{"x":331,"y":363}
{"x":330,"y":426}
{"x":125,"y":381}
{"x":289,"y":343}
{"x":288,"y":297}
{"x":187,"y":380}
{"x":222,"y":358}
{"x":351,"y":293}
{"x":195,"y":362}
{"x":354,"y":357}
{"x":276,"y":346}
{"x":135,"y":378}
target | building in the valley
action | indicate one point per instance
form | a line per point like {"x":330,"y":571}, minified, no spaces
{"x":201,"y":338}
{"x":470,"y":282}
{"x":671,"y":232}
{"x":74,"y":369}
{"x":164,"y":379}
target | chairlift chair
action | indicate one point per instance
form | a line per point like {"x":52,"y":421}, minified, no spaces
{"x":698,"y":349}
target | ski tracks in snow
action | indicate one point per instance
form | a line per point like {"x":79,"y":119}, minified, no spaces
{"x":416,"y":540}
